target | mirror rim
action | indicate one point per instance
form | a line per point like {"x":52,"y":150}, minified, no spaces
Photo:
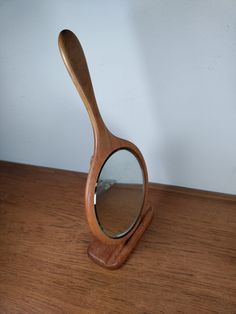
{"x":131,"y":225}
{"x":105,"y":145}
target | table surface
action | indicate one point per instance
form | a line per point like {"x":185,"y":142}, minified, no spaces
{"x":184,"y":263}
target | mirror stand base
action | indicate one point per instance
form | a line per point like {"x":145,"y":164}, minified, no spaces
{"x":113,"y":256}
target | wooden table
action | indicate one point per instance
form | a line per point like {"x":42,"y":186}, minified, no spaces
{"x":185,"y":263}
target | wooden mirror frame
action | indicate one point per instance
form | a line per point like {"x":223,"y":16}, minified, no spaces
{"x":104,"y":250}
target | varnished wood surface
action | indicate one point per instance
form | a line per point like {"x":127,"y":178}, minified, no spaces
{"x":184,"y":263}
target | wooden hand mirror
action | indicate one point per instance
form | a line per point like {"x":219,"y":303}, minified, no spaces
{"x":117,"y":185}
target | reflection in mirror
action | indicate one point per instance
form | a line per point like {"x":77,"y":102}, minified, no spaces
{"x":119,"y":193}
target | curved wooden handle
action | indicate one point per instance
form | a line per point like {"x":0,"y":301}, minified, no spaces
{"x":75,"y":62}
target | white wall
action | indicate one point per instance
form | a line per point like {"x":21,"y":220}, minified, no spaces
{"x":164,"y":73}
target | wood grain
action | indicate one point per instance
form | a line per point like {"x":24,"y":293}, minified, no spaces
{"x":185,"y":263}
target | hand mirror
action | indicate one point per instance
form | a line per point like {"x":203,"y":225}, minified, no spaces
{"x":116,"y":190}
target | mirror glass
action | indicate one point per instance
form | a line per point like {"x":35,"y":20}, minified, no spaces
{"x":119,"y":193}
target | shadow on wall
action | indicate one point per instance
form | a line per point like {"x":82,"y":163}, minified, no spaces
{"x":180,"y":44}
{"x":157,"y":34}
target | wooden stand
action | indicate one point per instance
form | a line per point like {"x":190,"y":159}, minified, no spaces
{"x":113,"y":256}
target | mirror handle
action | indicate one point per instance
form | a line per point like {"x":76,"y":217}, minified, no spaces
{"x":75,"y":62}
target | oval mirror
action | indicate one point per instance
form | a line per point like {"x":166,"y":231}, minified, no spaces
{"x":119,"y":193}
